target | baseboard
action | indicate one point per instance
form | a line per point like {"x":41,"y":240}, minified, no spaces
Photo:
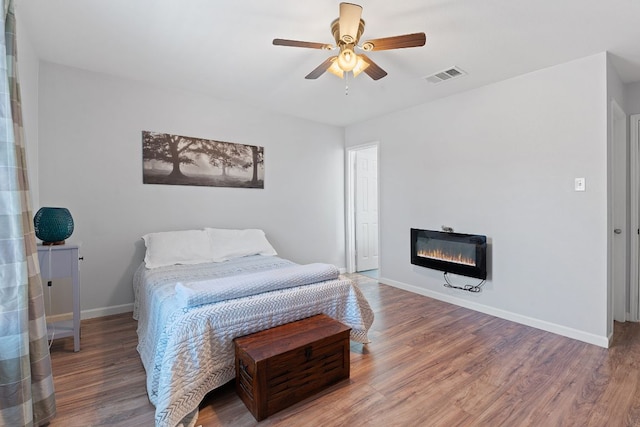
{"x":106,"y":311}
{"x":93,"y":313}
{"x":601,"y":341}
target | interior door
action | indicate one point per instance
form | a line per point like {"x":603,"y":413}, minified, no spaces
{"x":366,"y":213}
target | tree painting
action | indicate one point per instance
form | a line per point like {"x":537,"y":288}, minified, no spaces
{"x":182,"y":160}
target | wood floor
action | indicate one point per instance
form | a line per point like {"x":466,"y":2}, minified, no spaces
{"x":429,"y":364}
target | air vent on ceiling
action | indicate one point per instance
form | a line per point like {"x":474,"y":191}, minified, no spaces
{"x":447,"y":74}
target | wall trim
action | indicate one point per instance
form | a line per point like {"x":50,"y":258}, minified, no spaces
{"x":601,"y":341}
{"x":634,"y":166}
{"x":93,"y":313}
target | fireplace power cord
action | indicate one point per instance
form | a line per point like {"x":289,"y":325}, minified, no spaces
{"x":469,"y":288}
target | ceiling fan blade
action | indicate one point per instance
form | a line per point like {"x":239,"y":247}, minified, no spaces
{"x":373,"y":70}
{"x":296,"y":43}
{"x":320,"y":69}
{"x":396,"y":42}
{"x":349,"y":22}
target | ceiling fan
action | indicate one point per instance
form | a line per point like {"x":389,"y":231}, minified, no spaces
{"x":347,"y":30}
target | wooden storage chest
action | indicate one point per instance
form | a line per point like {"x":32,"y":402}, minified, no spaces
{"x":278,"y":367}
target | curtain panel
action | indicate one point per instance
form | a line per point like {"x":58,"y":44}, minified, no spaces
{"x":26,"y":382}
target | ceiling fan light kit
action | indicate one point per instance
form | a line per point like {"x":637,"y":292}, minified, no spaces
{"x":338,"y":71}
{"x":347,"y":30}
{"x":347,"y":59}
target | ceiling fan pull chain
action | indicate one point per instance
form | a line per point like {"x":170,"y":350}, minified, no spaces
{"x":346,"y":83}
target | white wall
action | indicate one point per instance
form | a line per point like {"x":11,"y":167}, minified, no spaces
{"x":615,"y":88}
{"x":501,"y":161}
{"x":632,"y":98}
{"x":90,"y":154}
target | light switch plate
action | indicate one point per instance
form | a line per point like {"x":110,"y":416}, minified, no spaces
{"x":580,"y":184}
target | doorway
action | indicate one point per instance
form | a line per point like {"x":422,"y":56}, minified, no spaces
{"x":362,"y":210}
{"x":619,"y":236}
{"x":634,"y":288}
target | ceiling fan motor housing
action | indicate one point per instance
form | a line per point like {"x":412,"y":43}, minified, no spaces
{"x":346,"y":38}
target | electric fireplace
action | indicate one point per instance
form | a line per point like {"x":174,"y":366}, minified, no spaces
{"x":464,"y":254}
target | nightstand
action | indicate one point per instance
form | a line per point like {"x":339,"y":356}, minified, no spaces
{"x":60,"y":262}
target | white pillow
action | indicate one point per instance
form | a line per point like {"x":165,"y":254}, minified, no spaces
{"x":227,"y":244}
{"x":177,"y":247}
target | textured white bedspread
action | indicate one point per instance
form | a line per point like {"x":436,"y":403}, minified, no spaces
{"x":188,"y":351}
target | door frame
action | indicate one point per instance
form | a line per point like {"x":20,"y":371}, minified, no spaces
{"x":634,"y":166}
{"x":350,"y":196}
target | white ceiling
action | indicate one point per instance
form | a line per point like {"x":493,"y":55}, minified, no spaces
{"x":223,"y":47}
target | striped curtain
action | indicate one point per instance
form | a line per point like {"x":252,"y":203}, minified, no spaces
{"x":26,"y":383}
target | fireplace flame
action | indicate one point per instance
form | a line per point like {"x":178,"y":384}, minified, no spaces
{"x":447,"y":257}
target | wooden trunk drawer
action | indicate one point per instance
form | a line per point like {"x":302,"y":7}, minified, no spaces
{"x":281,"y":366}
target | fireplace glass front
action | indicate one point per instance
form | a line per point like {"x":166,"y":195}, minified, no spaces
{"x":464,"y":254}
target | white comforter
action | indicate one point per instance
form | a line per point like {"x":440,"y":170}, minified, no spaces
{"x":188,"y":351}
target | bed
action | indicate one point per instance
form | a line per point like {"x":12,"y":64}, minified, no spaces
{"x":185,"y":337}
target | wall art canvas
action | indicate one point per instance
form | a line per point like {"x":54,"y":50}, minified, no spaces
{"x":183,"y":160}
